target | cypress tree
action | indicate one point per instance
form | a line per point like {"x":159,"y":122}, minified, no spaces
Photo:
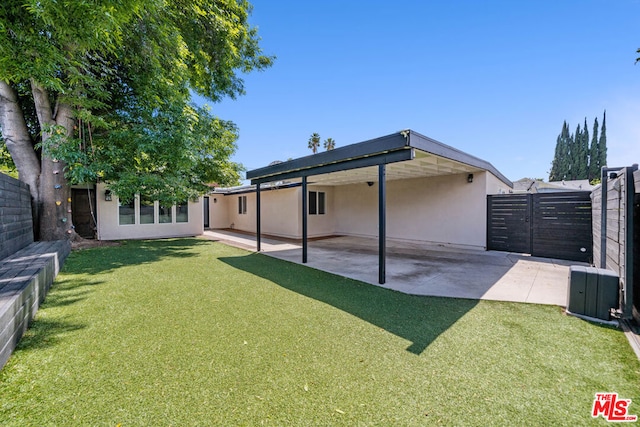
{"x":575,"y":158}
{"x":602,"y":144}
{"x":567,"y":142}
{"x":574,"y":154}
{"x":594,"y":155}
{"x":561,"y":161}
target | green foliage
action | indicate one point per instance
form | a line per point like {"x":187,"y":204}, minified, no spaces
{"x":574,"y":159}
{"x":594,"y":154}
{"x":602,"y":143}
{"x":6,"y":162}
{"x":560,"y":164}
{"x":167,"y":154}
{"x":128,"y":69}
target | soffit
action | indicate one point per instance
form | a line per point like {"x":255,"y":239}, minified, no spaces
{"x":423,"y":165}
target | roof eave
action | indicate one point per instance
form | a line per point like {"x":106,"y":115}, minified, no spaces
{"x":368,"y":148}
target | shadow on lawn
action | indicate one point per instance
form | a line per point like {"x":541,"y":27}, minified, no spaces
{"x":417,"y":319}
{"x":72,"y":286}
{"x":130,"y":252}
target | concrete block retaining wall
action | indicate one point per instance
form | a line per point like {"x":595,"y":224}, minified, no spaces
{"x":16,"y":226}
{"x":27,"y":268}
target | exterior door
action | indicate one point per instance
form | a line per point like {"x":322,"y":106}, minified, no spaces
{"x":83,"y":211}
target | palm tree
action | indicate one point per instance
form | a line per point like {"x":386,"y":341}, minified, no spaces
{"x":314,"y":142}
{"x":329,"y":144}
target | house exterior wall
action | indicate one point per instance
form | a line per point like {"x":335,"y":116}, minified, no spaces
{"x":495,"y":185}
{"x":280,"y":212}
{"x":321,"y":225}
{"x":219,"y":211}
{"x":442,"y":210}
{"x":110,"y":229}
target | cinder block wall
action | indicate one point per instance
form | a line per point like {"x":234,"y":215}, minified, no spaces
{"x":16,"y":225}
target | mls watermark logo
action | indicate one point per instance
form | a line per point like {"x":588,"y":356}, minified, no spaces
{"x":612,"y":408}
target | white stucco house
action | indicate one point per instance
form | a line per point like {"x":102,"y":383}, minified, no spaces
{"x":145,"y":219}
{"x":434,"y":194}
{"x":403,"y":186}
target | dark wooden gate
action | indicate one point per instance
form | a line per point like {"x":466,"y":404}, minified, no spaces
{"x":550,"y":225}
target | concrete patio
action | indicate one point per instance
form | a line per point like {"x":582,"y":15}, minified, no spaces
{"x":426,"y":270}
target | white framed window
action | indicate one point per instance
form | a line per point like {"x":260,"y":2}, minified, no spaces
{"x":182,"y":212}
{"x":165,"y":214}
{"x":317,"y":202}
{"x":142,"y":210}
{"x":242,"y":205}
{"x":126,"y":212}
{"x":147,"y":210}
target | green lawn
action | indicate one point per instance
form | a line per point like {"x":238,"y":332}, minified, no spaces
{"x":190,"y":332}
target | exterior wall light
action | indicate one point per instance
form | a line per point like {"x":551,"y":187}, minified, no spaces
{"x":470,"y":178}
{"x":107,"y":195}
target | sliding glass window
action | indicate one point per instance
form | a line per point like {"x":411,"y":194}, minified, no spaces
{"x":147,"y":210}
{"x":126,"y":212}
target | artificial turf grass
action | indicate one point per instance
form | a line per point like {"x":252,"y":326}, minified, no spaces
{"x":190,"y":332}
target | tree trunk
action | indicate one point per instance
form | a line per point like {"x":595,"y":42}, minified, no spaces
{"x":16,"y":137}
{"x":54,"y":191}
{"x":20,"y":145}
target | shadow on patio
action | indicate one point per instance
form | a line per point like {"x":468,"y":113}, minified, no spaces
{"x":417,"y":319}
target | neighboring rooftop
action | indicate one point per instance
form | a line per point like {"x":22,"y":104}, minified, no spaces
{"x":528,"y":185}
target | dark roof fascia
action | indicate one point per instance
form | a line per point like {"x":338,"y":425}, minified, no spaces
{"x":368,"y":148}
{"x":252,"y":189}
{"x":360,"y":162}
{"x":327,"y":161}
{"x":437,"y":148}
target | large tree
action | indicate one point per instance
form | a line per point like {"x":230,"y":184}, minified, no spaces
{"x":102,"y":90}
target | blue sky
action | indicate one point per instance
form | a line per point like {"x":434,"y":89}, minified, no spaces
{"x":495,"y":79}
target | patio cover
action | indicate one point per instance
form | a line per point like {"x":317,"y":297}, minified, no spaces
{"x":401,"y":155}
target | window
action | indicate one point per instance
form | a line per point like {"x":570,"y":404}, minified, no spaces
{"x":182,"y":212}
{"x":242,"y":205}
{"x":127,"y":213}
{"x":164,"y":214}
{"x":317,"y":203}
{"x":321,"y":202}
{"x":147,"y":210}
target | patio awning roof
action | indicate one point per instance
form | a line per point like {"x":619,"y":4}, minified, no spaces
{"x":401,"y":155}
{"x":407,"y":153}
